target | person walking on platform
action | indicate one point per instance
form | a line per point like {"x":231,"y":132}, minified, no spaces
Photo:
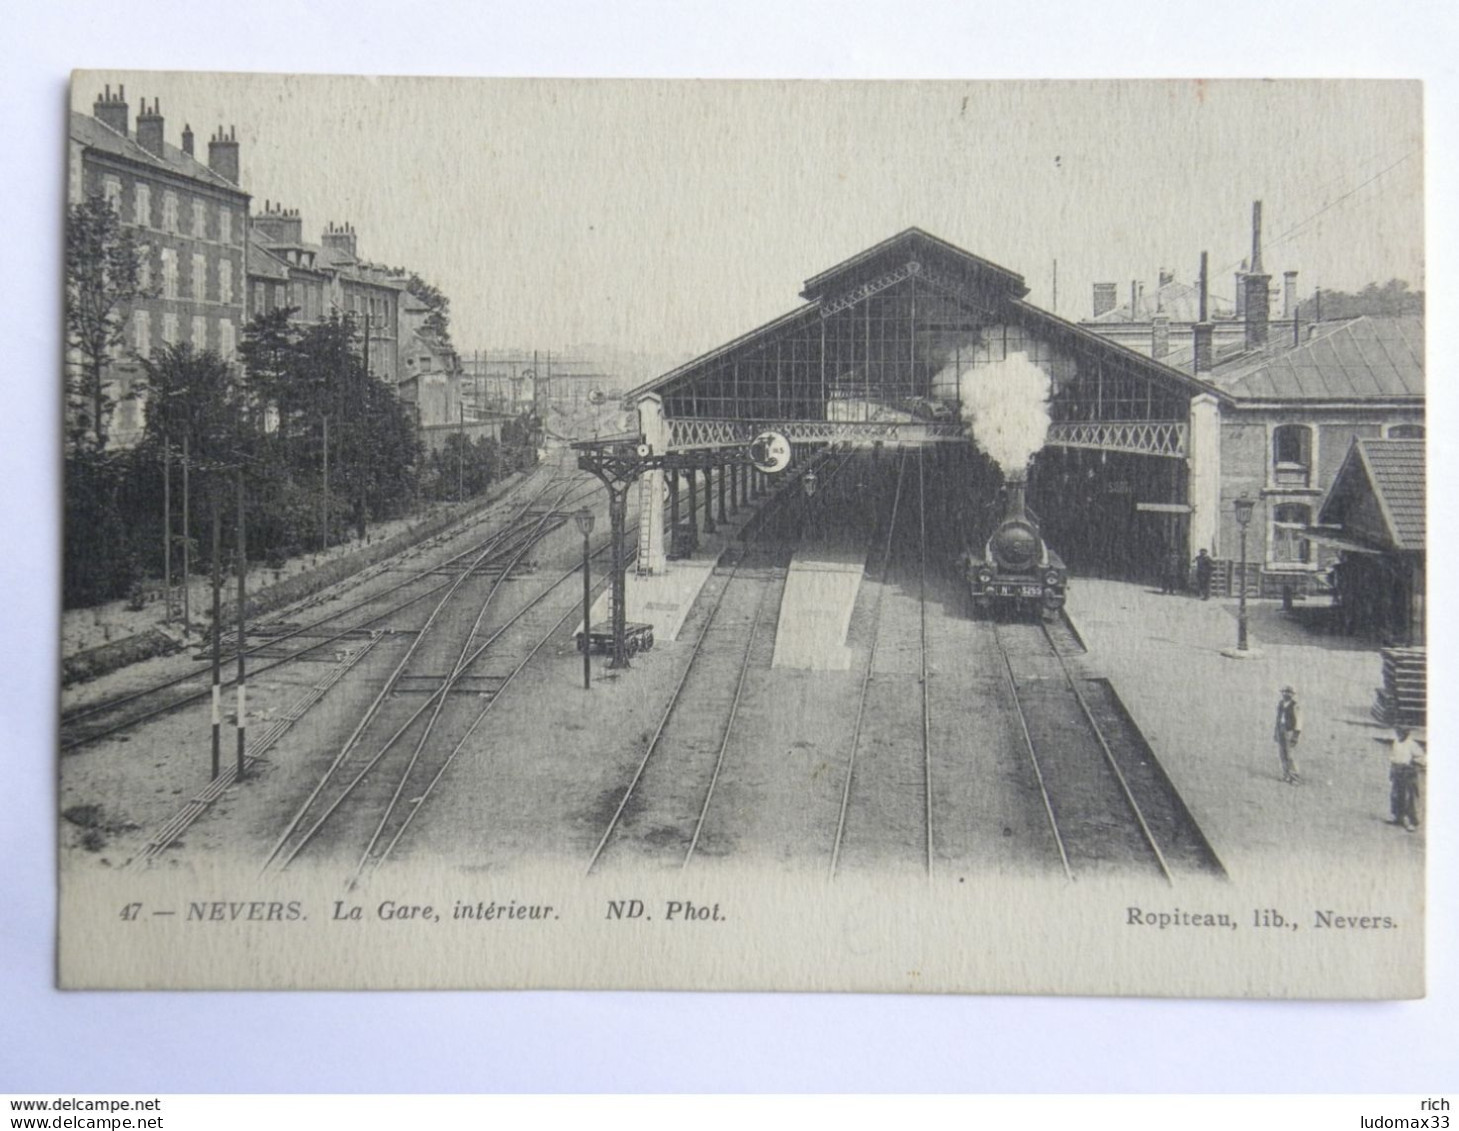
{"x":1205,"y":572}
{"x":1288,"y":730}
{"x":1170,"y":579}
{"x":1405,"y":760}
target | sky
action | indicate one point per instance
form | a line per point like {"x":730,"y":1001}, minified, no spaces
{"x":668,"y":217}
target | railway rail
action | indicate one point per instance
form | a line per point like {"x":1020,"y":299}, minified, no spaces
{"x":1108,"y":805}
{"x":346,"y":778}
{"x":86,"y":725}
{"x":662,"y":813}
{"x":873,"y":788}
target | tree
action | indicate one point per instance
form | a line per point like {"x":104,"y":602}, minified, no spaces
{"x":438,"y":321}
{"x":194,"y":394}
{"x":103,"y":277}
{"x":1389,"y":300}
{"x":270,"y":354}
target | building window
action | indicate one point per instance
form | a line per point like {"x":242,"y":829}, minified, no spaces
{"x":169,"y":211}
{"x":144,"y":267}
{"x":142,"y":205}
{"x":1403,"y":432}
{"x":200,"y":332}
{"x":169,"y":329}
{"x":1292,"y":455}
{"x":111,"y":191}
{"x":227,"y":344}
{"x":225,"y":281}
{"x":225,"y":225}
{"x":200,"y":219}
{"x":142,"y":332}
{"x":1288,"y":546}
{"x":200,"y":276}
{"x":169,"y":272}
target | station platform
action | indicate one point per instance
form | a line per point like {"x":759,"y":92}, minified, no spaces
{"x":664,"y":600}
{"x":815,"y":611}
{"x":1210,"y":720}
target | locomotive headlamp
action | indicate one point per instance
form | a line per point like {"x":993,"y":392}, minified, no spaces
{"x":985,"y":576}
{"x":1051,"y":578}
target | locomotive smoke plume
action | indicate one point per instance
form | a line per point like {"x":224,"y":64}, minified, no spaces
{"x":1006,"y":406}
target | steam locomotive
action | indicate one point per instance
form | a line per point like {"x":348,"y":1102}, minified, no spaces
{"x":1016,"y":570}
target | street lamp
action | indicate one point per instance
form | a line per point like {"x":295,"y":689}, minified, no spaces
{"x":1244,"y":506}
{"x":585,"y":520}
{"x":808,"y":485}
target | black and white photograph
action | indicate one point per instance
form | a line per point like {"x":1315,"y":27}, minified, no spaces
{"x":661,"y":534}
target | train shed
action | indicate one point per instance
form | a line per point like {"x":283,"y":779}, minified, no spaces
{"x":898,"y":346}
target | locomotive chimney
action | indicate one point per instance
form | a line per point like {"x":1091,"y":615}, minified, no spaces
{"x":1013,"y":504}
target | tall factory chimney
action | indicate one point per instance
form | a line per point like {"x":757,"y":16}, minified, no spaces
{"x":1258,"y":288}
{"x":1289,"y":294}
{"x":1202,"y":331}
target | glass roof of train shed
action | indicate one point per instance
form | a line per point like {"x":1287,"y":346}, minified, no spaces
{"x":895,"y":333}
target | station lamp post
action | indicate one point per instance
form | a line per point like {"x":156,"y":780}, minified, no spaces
{"x":808,"y":485}
{"x":1244,"y":506}
{"x":584,"y":519}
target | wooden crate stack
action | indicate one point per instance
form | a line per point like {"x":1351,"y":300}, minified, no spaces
{"x":1403,"y":698}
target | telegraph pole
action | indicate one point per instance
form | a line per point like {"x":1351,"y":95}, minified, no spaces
{"x":242,"y":617}
{"x":187,"y":626}
{"x":217,"y":632}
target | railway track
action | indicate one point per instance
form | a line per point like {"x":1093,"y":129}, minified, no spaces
{"x":361,"y":787}
{"x":1109,"y":807}
{"x":662,"y":814}
{"x":284,"y":643}
{"x":882,"y":767}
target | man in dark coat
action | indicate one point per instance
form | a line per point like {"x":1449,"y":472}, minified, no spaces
{"x":1205,"y":572}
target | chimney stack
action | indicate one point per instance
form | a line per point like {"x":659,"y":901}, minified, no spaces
{"x":1258,"y":288}
{"x":1134,"y":299}
{"x":112,"y":111}
{"x":277,"y":224}
{"x":1289,"y":294}
{"x":341,"y":238}
{"x":1106,"y":298}
{"x":149,"y":128}
{"x":223,"y":154}
{"x":187,"y":140}
{"x":1159,"y":335}
{"x":1241,"y":291}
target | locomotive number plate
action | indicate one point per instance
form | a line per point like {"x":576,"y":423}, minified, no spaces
{"x":1018,"y":591}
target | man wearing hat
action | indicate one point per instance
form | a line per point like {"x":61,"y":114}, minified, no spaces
{"x":1288,"y":730}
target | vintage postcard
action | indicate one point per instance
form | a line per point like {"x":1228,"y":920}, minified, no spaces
{"x":937,"y":536}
